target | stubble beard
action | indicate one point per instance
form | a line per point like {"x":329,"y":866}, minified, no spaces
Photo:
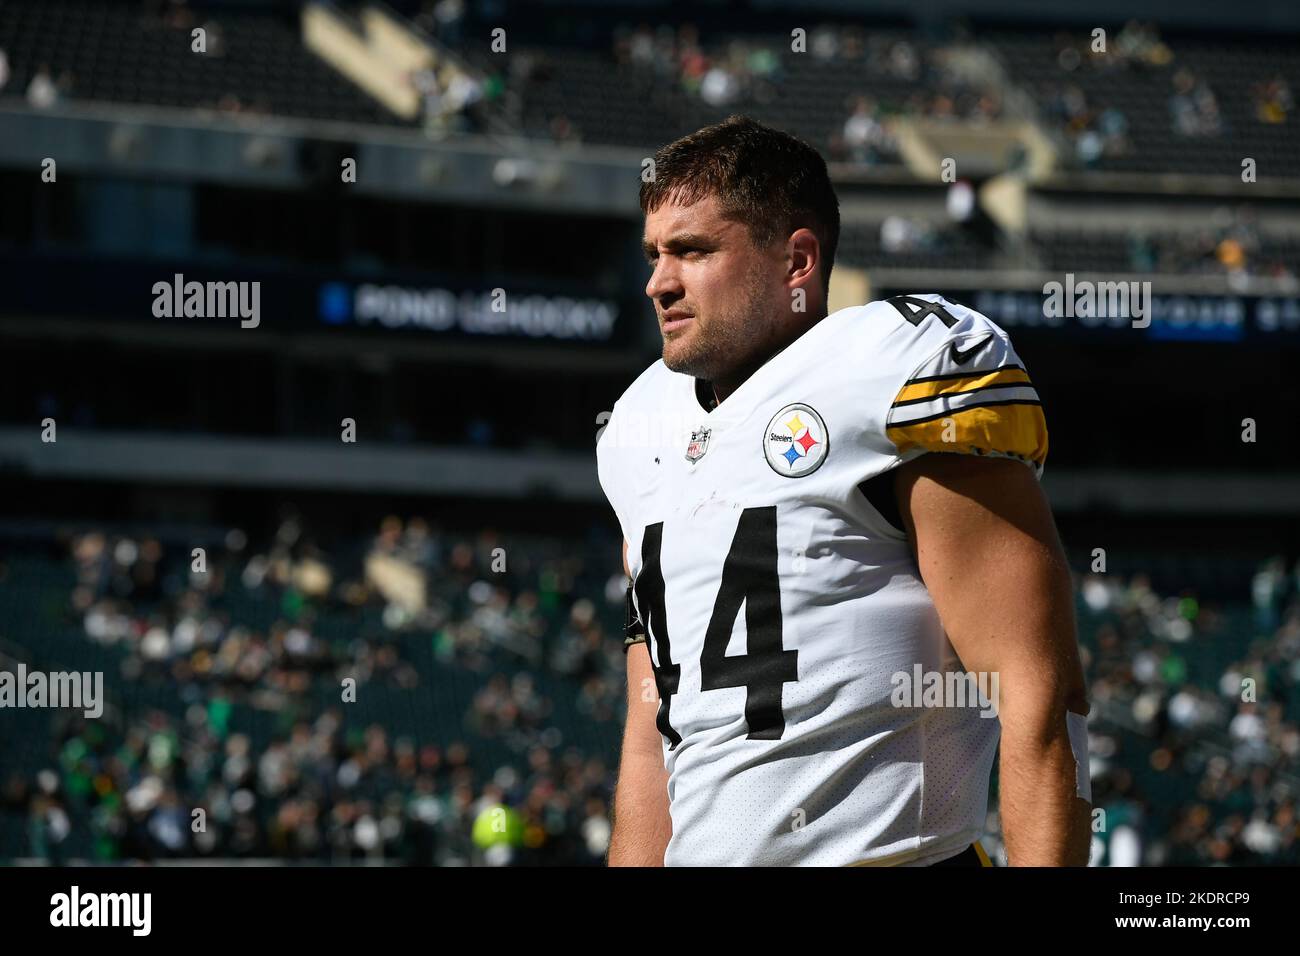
{"x":730,"y":341}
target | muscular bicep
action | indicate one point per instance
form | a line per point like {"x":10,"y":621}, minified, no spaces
{"x":988,"y":552}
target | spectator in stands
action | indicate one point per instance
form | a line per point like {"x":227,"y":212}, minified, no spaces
{"x":1267,"y":589}
{"x":640,"y":47}
{"x":1112,"y":125}
{"x":903,"y":62}
{"x":425,"y":83}
{"x":692,"y":63}
{"x":177,"y":15}
{"x":719,"y":86}
{"x":1273,"y":100}
{"x":824,"y":43}
{"x":42,"y":93}
{"x":900,"y":235}
{"x":214,"y":39}
{"x":864,"y":136}
{"x":462,"y":93}
{"x":1193,"y":107}
{"x":448,"y":19}
{"x":664,"y":52}
{"x":1141,"y":252}
{"x":1139,"y":44}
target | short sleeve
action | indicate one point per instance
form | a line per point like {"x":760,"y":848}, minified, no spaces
{"x":973,"y":397}
{"x":610,"y":471}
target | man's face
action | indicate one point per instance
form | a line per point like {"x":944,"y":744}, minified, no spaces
{"x":719,"y":300}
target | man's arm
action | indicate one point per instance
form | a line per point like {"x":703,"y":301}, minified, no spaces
{"x":989,"y":554}
{"x":642,"y":826}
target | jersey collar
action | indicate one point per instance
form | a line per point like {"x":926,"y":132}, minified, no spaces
{"x":705,"y":401}
{"x":704,"y":396}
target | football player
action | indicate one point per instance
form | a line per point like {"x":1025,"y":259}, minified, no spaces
{"x":826,"y":519}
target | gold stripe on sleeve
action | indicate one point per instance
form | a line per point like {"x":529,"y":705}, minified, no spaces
{"x":1017,"y":429}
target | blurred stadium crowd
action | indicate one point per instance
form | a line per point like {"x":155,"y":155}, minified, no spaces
{"x":1186,"y":103}
{"x":227,"y":693}
{"x":1133,"y":102}
{"x":488,"y":702}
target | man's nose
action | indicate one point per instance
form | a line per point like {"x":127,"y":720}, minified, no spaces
{"x":663,"y":280}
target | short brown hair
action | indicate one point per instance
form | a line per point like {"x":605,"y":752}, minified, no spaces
{"x":762,"y":177}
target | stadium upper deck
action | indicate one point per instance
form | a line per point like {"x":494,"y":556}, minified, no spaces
{"x":1187,"y":103}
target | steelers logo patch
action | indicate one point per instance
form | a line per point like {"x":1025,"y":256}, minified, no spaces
{"x":795,"y":441}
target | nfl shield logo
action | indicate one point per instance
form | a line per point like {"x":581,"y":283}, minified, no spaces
{"x":698,"y":446}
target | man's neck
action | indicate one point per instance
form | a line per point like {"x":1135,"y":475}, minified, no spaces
{"x":724,"y":386}
{"x":721,"y":388}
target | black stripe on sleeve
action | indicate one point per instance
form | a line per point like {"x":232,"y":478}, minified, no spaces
{"x":969,"y":391}
{"x":964,"y":408}
{"x":971,"y":374}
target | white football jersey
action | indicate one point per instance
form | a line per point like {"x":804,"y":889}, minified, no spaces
{"x":780,"y":604}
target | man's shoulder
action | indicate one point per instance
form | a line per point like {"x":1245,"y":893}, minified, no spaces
{"x":649,"y":384}
{"x":644,"y":409}
{"x":883,"y":343}
{"x":921,"y":317}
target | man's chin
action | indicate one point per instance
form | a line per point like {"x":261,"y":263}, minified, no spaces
{"x":682,"y":360}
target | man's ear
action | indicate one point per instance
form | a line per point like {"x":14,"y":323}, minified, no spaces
{"x":805,"y":255}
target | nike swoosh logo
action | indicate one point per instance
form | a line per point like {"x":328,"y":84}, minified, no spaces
{"x":961,"y":358}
